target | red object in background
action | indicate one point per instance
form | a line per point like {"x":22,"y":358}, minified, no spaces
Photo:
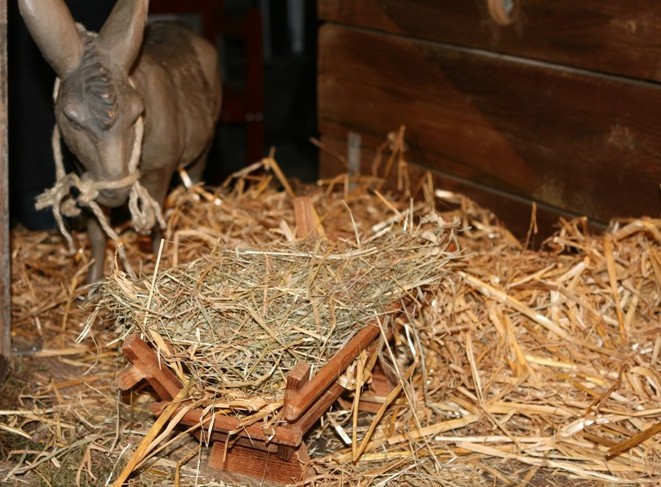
{"x":240,"y":105}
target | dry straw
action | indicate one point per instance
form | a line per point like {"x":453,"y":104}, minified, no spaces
{"x":521,"y":367}
{"x":239,"y":319}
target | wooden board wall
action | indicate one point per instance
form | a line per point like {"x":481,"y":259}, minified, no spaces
{"x":506,"y":128}
{"x":5,"y":276}
{"x":610,"y":36}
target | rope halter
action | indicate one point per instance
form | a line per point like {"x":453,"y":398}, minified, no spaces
{"x":145,"y":211}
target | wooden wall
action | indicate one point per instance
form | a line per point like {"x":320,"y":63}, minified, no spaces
{"x":5,"y":277}
{"x":561,"y":107}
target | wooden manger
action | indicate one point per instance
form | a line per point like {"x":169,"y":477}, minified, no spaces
{"x":277,"y":454}
{"x":348,"y":297}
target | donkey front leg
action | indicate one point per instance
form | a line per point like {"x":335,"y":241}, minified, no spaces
{"x":98,"y":244}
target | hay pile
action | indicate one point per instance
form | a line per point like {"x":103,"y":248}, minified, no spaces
{"x":239,"y":319}
{"x":551,"y":358}
{"x":528,"y":367}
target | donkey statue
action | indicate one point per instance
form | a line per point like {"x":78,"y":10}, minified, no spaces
{"x":133,"y":104}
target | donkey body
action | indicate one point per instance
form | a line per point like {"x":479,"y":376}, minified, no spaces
{"x":160,"y":73}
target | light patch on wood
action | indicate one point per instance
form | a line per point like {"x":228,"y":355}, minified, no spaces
{"x":620,"y":136}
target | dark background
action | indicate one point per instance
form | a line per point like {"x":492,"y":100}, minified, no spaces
{"x":289,"y":88}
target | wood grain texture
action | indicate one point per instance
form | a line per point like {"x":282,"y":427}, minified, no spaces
{"x":285,"y":434}
{"x":149,"y":366}
{"x":610,"y":36}
{"x":5,"y":280}
{"x":576,"y":142}
{"x":323,"y":380}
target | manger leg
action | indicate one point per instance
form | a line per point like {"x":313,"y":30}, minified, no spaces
{"x":245,"y":465}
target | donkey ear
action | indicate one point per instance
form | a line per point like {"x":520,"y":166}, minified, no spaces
{"x":53,"y":29}
{"x":122,"y":33}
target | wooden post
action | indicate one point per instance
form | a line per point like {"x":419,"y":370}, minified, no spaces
{"x":5,"y":279}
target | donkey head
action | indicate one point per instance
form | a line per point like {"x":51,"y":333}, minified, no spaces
{"x":96,"y":107}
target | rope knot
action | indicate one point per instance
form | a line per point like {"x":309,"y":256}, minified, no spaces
{"x":72,"y":192}
{"x":88,"y":190}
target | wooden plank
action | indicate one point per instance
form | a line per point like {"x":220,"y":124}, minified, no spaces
{"x":5,"y":279}
{"x":308,"y":224}
{"x":288,"y":435}
{"x":146,"y":364}
{"x":610,"y":36}
{"x":324,"y":379}
{"x":576,"y":142}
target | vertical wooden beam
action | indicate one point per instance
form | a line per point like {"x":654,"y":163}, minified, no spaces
{"x":5,"y":276}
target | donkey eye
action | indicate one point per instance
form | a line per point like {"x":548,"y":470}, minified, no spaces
{"x":73,"y":118}
{"x":75,"y":124}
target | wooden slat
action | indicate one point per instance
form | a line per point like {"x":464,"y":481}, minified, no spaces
{"x":308,"y":224}
{"x":146,"y":364}
{"x":5,"y":278}
{"x":580,"y":143}
{"x":610,"y":36}
{"x":288,"y":435}
{"x":324,"y":378}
